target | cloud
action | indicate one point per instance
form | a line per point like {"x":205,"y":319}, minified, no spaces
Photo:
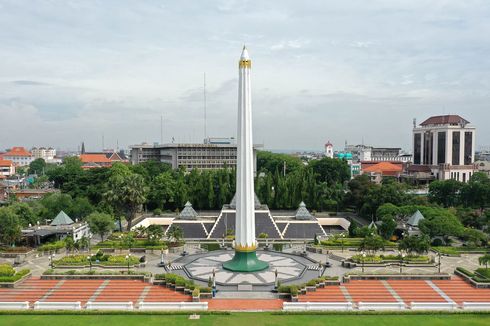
{"x":335,"y":70}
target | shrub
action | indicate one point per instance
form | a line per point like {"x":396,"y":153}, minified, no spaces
{"x":465,"y":271}
{"x":196,"y":292}
{"x":206,"y":290}
{"x":6,"y":270}
{"x":483,"y":272}
{"x":277,"y":246}
{"x":13,"y":277}
{"x":157,"y":212}
{"x":53,"y":246}
{"x":311,"y":283}
{"x":284,"y":289}
{"x":293,"y":290}
{"x":210,"y":246}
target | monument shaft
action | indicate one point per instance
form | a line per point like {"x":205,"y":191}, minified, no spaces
{"x":245,"y":259}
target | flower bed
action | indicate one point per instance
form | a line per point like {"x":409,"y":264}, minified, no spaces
{"x":138,"y":243}
{"x":379,"y":259}
{"x":100,"y":260}
{"x":53,"y":246}
{"x":349,"y":242}
{"x":9,"y":275}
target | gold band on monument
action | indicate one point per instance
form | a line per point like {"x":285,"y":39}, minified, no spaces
{"x":245,"y":64}
{"x":245,"y":248}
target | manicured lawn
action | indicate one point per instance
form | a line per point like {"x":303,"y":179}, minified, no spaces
{"x":237,"y":319}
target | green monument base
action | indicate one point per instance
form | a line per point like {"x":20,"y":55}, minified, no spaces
{"x":245,"y":261}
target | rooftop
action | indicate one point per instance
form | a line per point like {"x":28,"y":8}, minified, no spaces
{"x":17,"y":151}
{"x":450,"y":119}
{"x":383,"y":167}
{"x":94,"y":158}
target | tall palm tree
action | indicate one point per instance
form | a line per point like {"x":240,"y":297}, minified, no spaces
{"x":127,"y":194}
{"x":484,"y":260}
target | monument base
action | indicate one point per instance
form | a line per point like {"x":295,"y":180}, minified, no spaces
{"x":245,"y":261}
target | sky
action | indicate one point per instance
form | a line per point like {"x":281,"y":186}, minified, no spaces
{"x":348,"y":70}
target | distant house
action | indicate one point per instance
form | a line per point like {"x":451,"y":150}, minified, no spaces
{"x":382,"y":169}
{"x":104,"y":159}
{"x":7,"y":168}
{"x":61,"y":227}
{"x":19,"y":156}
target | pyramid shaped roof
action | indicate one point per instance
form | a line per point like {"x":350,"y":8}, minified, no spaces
{"x":62,"y":219}
{"x":415,"y":219}
{"x":302,"y":213}
{"x":188,"y":213}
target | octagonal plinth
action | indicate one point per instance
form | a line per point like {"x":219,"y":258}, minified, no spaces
{"x":245,"y":262}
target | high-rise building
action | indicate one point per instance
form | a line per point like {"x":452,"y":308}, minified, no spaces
{"x":445,"y":145}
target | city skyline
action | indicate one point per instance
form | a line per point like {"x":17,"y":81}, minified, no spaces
{"x":75,"y":72}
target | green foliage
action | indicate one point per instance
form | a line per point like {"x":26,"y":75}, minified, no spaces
{"x":105,"y":260}
{"x":483,"y":273}
{"x":277,"y":246}
{"x":263,"y":235}
{"x":6,"y":270}
{"x":414,"y":244}
{"x":9,"y":275}
{"x":440,"y":222}
{"x":387,"y":227}
{"x":100,"y":223}
{"x":372,"y":243}
{"x":196,"y":292}
{"x":445,"y":192}
{"x":175,"y":233}
{"x":475,"y":237}
{"x":210,"y":246}
{"x":37,"y":166}
{"x":52,"y":246}
{"x":271,"y":162}
{"x":10,"y":230}
{"x":484,"y":260}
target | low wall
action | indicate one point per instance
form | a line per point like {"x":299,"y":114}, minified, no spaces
{"x":95,"y":277}
{"x":381,"y":306}
{"x":469,"y":280}
{"x":57,"y":305}
{"x":173,"y":306}
{"x":481,"y":306}
{"x":433,"y":305}
{"x":21,"y":305}
{"x":347,"y":278}
{"x":110,"y":305}
{"x":316,"y":306}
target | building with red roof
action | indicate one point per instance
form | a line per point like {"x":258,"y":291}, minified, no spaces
{"x":90,"y":161}
{"x":7,"y":168}
{"x":19,"y":156}
{"x":378,"y":170}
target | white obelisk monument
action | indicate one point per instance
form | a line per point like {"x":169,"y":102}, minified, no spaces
{"x":245,"y":259}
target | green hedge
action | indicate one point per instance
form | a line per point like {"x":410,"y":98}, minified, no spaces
{"x":53,"y":246}
{"x":483,"y":272}
{"x":465,"y":271}
{"x":105,"y":260}
{"x":15,"y":277}
{"x":92,"y":272}
{"x":211,"y":246}
{"x":383,"y":258}
{"x":138,"y":243}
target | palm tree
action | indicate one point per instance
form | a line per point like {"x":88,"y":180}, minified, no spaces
{"x":175,"y":232}
{"x":484,"y":260}
{"x":127,"y":194}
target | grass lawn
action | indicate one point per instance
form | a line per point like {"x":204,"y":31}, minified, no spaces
{"x":237,"y":319}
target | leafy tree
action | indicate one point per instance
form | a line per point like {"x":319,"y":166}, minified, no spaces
{"x":128,"y":240}
{"x":163,"y":189}
{"x":37,"y":166}
{"x":10,"y":230}
{"x":445,"y":192}
{"x":69,"y":243}
{"x":414,"y":243}
{"x":101,"y":224}
{"x":268,"y":161}
{"x":127,"y":194}
{"x":353,"y":228}
{"x":372,"y":243}
{"x":475,"y":237}
{"x":154,"y":233}
{"x":440,"y":222}
{"x":476,"y":193}
{"x":25,"y":213}
{"x":175,"y":233}
{"x":484,"y":260}
{"x":387,"y":227}
{"x":331,"y":170}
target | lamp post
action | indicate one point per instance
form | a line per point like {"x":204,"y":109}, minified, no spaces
{"x":275,"y":279}
{"x":363,"y":258}
{"x":161,"y":257}
{"x":128,"y":256}
{"x":51,"y":258}
{"x":402,"y":256}
{"x":342,"y":236}
{"x":439,"y":254}
{"x":89,"y":258}
{"x":89,"y":242}
{"x":320,"y":269}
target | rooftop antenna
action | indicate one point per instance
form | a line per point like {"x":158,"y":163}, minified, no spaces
{"x":117,"y":145}
{"x":103,"y":146}
{"x":205,"y":104}
{"x":414,"y":123}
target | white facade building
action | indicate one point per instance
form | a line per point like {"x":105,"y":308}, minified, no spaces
{"x":445,"y":144}
{"x":329,"y":149}
{"x":19,"y":156}
{"x":47,"y":154}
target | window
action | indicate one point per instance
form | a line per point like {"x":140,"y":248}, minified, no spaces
{"x":456,"y":147}
{"x":441,"y":147}
{"x":468,"y":147}
{"x":417,"y":142}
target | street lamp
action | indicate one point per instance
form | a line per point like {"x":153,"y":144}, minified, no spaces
{"x":127,"y":258}
{"x":402,"y":256}
{"x":51,"y":258}
{"x":439,"y":254}
{"x":320,"y":269}
{"x":89,"y":242}
{"x":342,"y":236}
{"x":89,"y":258}
{"x":363,"y":258}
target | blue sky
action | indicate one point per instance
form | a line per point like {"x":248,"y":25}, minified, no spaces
{"x":322,"y":70}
